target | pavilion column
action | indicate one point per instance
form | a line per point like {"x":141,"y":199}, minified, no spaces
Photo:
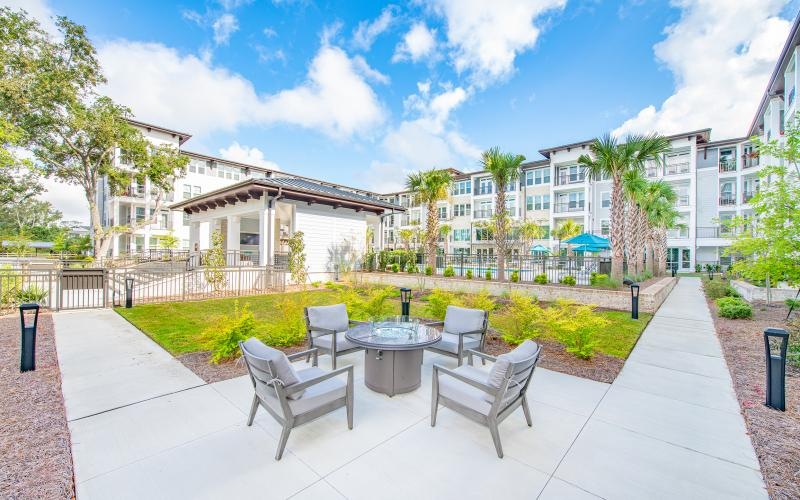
{"x":233,"y":236}
{"x":266,"y":232}
{"x":205,"y":229}
{"x":194,"y":236}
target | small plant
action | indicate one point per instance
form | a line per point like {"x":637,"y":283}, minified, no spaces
{"x":481,"y":300}
{"x":469,"y":274}
{"x":734,"y":308}
{"x":449,"y":272}
{"x":223,"y":336}
{"x":438,"y":300}
{"x":515,"y":276}
{"x":395,"y":268}
{"x":520,"y":320}
{"x":411,"y":268}
{"x":215,"y":263}
{"x":568,"y":280}
{"x":372,"y":305}
{"x":718,"y":289}
{"x":575,"y":326}
{"x":31,"y":294}
{"x":792,"y":303}
{"x":540,"y":279}
{"x":316,"y":284}
{"x":297,"y":259}
{"x":698,"y":268}
{"x":428,"y":271}
{"x":488,"y":275}
{"x":288,"y":327}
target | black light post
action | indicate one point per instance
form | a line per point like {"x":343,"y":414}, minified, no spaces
{"x":776,"y":368}
{"x":27,"y":359}
{"x":405,"y":302}
{"x":128,"y":293}
{"x":711,"y":274}
{"x":634,"y":301}
{"x":336,"y":272}
{"x":673,"y":270}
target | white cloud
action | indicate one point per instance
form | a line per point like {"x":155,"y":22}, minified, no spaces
{"x":721,"y":54}
{"x":233,"y":4}
{"x":225,"y":26}
{"x":269,"y":32}
{"x":185,"y":92}
{"x":192,"y":16}
{"x":248,"y":155}
{"x":418,"y":43}
{"x":37,"y":9}
{"x":485,"y":37}
{"x":367,"y":31}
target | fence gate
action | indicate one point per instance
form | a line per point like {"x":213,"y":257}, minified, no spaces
{"x":82,"y":288}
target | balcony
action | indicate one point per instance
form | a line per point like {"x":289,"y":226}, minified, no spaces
{"x":677,"y":168}
{"x":727,"y":165}
{"x":651,"y":171}
{"x":727,"y":200}
{"x":678,"y":233}
{"x":714,"y":232}
{"x":747,"y":196}
{"x":133,"y":192}
{"x":566,"y":179}
{"x":749,"y":162}
{"x":483,"y":214}
{"x":483,"y":190}
{"x":567,"y":207}
{"x":682,"y":201}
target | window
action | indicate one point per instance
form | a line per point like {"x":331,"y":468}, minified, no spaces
{"x":462,"y":187}
{"x":192,"y":167}
{"x":605,"y":199}
{"x":511,"y":206}
{"x":139,"y":214}
{"x":185,"y":219}
{"x":460,"y":234}
{"x":461,"y":209}
{"x":201,"y":169}
{"x":545,"y":231}
{"x":187,"y":191}
{"x":442,"y":212}
{"x":483,"y":234}
{"x":196,"y":191}
{"x":537,"y":176}
{"x":538,"y":202}
{"x":605,"y":228}
{"x":511,"y":186}
{"x":163,"y":222}
{"x":485,"y":186}
{"x":153,"y":242}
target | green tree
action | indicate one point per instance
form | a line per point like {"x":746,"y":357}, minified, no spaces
{"x":634,"y":185}
{"x":612,"y":158}
{"x":48,"y":90}
{"x":169,"y":241}
{"x":429,"y":187}
{"x":657,"y":203}
{"x":444,"y":232}
{"x":505,"y":171}
{"x":215,"y":263}
{"x":528,"y":231}
{"x":565,"y":231}
{"x":405,"y":236}
{"x":297,"y":258}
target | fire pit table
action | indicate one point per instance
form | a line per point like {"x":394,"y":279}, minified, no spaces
{"x":393,"y":354}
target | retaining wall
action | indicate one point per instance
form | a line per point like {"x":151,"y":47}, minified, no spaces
{"x":751,"y":292}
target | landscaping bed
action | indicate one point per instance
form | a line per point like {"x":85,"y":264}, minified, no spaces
{"x":182,"y":328}
{"x":34,"y":437}
{"x":775,"y":434}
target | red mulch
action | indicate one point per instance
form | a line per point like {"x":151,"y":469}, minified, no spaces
{"x":34,"y":438}
{"x":775,"y":434}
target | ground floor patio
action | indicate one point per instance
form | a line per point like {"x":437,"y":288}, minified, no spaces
{"x":144,"y":426}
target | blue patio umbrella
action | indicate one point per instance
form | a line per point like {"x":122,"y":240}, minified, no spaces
{"x":588,"y":248}
{"x":590,"y":240}
{"x":539,"y":249}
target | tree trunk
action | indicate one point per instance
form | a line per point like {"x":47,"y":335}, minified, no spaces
{"x":431,"y":232}
{"x":500,"y":240}
{"x":617,"y":230}
{"x":641,"y":239}
{"x":651,"y":254}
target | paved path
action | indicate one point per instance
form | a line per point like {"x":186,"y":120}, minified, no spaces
{"x":143,"y":426}
{"x":670,"y":425}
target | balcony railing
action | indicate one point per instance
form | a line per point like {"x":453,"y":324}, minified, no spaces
{"x":748,"y":195}
{"x":714,"y":232}
{"x":652,"y":171}
{"x":483,"y":214}
{"x":727,"y":200}
{"x":133,"y":192}
{"x":682,"y":201}
{"x":678,"y":233}
{"x":749,"y":162}
{"x":483,"y":190}
{"x":565,"y":179}
{"x":571,"y":206}
{"x":677,"y":168}
{"x":728,"y":165}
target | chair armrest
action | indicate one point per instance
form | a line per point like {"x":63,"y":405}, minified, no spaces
{"x":316,"y":380}
{"x":300,"y":354}
{"x":471,"y":352}
{"x":469,"y":333}
{"x":474,"y":383}
{"x":321,"y":331}
{"x":357,"y":322}
{"x":435,"y":323}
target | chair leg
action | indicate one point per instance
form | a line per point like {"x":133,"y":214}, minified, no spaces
{"x":253,"y":410}
{"x":282,"y":442}
{"x":496,"y":438}
{"x":527,"y":411}
{"x":333,"y":360}
{"x":350,"y":403}
{"x":434,"y":399}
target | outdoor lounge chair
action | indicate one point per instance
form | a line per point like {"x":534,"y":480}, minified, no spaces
{"x":294,"y":397}
{"x":487,"y":398}
{"x":462,"y":329}
{"x":325,"y":328}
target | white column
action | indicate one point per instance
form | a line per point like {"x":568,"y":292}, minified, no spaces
{"x":205,"y":229}
{"x":233,"y":236}
{"x":266,"y":232}
{"x":194,"y":236}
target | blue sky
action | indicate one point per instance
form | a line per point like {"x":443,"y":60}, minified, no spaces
{"x":363,"y":92}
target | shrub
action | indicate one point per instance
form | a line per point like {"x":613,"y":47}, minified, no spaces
{"x":395,"y":268}
{"x":428,"y":271}
{"x":481,"y":300}
{"x":568,"y":280}
{"x":520,"y":320}
{"x":541,"y":279}
{"x":438,"y":300}
{"x":515,"y":276}
{"x":411,"y":267}
{"x":575,"y":326}
{"x":31,"y":294}
{"x":469,"y":274}
{"x":449,"y":272}
{"x":372,"y":305}
{"x":718,"y":289}
{"x":734,"y":308}
{"x":223,"y":336}
{"x":793,"y":350}
{"x":488,"y":274}
{"x":288,"y":327}
{"x":792,"y":303}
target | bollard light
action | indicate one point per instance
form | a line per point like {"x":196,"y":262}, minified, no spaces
{"x":128,"y":293}
{"x":634,"y":301}
{"x":336,"y":272}
{"x":28,"y":320}
{"x":776,"y":367}
{"x":710,"y":274}
{"x":673,"y":270}
{"x":405,"y":302}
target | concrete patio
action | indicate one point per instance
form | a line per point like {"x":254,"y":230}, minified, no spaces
{"x":143,"y":426}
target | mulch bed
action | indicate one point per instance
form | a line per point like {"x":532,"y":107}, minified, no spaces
{"x":775,"y":434}
{"x":34,"y":438}
{"x":200,"y":364}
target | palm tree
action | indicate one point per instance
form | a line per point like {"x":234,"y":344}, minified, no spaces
{"x":612,"y":158}
{"x":529,"y":231}
{"x":430,"y":187}
{"x":405,"y":236}
{"x":634,"y":185}
{"x":565,"y":231}
{"x":444,"y":232}
{"x":658,"y":203}
{"x":505,"y":170}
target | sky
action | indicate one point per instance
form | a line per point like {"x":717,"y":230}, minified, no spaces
{"x":364,"y":92}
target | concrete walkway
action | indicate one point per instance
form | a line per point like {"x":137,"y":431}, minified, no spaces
{"x":143,"y":426}
{"x":670,"y":425}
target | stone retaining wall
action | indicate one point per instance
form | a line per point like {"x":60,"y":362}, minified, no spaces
{"x":650,"y":298}
{"x":751,"y":292}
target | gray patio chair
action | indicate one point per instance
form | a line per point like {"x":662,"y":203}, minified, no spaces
{"x":487,"y":398}
{"x":462,"y":329}
{"x":294,"y":397}
{"x":325,"y":329}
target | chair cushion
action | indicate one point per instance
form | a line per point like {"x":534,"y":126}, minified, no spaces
{"x":463,"y":320}
{"x":313,"y":397}
{"x":329,"y":317}
{"x":504,"y":361}
{"x":449,"y":343}
{"x":283,"y":368}
{"x":326,"y":341}
{"x":463,"y":393}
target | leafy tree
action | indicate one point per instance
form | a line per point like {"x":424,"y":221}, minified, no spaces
{"x":444,"y":232}
{"x":634,"y":185}
{"x":611,"y":158}
{"x":215,"y":263}
{"x":505,"y":170}
{"x":528,"y":231}
{"x":405,"y":236}
{"x":657,"y":203}
{"x":169,"y":241}
{"x":429,"y":187}
{"x":48,"y":90}
{"x":297,"y":258}
{"x":565,"y":231}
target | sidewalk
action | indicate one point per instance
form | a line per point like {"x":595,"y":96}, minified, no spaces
{"x":670,"y":425}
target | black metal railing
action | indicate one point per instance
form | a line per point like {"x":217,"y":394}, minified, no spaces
{"x":749,"y":162}
{"x":571,"y":206}
{"x":677,"y":168}
{"x":727,"y":200}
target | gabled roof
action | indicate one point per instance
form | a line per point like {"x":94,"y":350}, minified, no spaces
{"x":182,"y":136}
